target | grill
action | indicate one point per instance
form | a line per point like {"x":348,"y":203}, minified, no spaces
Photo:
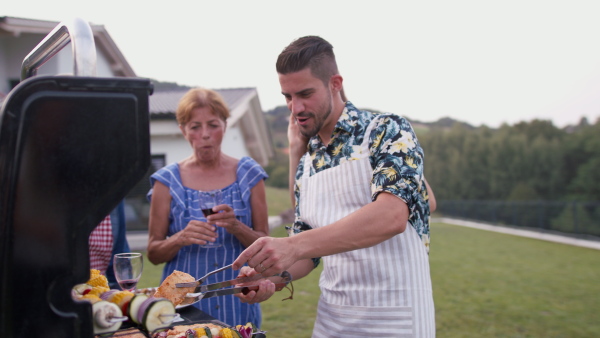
{"x":71,"y":147}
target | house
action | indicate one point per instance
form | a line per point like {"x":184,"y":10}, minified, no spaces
{"x":246,"y":135}
{"x":18,"y":37}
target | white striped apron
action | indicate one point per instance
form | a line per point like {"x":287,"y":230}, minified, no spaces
{"x":384,"y":290}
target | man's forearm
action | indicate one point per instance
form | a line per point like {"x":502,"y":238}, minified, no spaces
{"x":301,"y":268}
{"x":368,"y":226}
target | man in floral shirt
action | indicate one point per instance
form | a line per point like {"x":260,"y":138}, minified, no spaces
{"x":361,"y":205}
{"x":395,"y":156}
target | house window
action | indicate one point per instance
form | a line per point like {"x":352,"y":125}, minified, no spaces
{"x":137,"y":207}
{"x":158,"y":161}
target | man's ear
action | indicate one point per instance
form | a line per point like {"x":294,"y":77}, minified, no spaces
{"x":336,"y":83}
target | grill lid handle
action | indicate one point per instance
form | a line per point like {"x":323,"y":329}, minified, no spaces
{"x":79,"y":33}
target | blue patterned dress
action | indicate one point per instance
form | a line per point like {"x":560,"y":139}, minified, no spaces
{"x":197,"y":261}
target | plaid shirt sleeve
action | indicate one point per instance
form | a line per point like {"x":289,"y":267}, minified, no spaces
{"x":101,"y":245}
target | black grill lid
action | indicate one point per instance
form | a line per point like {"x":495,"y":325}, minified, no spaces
{"x":70,"y":150}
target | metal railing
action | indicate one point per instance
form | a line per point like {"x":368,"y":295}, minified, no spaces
{"x":572,"y":217}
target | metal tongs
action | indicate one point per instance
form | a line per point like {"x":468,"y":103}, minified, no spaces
{"x":206,"y":291}
{"x":199,"y":282}
{"x":220,"y":285}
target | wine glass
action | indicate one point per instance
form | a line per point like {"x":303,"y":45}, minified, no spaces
{"x":128,"y":269}
{"x":209,"y":200}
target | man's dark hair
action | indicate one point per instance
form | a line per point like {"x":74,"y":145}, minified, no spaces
{"x":308,"y":51}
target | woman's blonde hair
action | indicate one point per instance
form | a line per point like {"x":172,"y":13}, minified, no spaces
{"x":199,"y":98}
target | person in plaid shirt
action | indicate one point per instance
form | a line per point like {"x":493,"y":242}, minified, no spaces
{"x":106,"y":240}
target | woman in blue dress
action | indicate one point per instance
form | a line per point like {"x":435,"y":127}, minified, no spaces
{"x":178,"y":230}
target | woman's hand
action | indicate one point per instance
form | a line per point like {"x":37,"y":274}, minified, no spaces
{"x":196,"y":232}
{"x":297,"y":141}
{"x":224,"y":217}
{"x":266,"y":288}
{"x":297,"y":146}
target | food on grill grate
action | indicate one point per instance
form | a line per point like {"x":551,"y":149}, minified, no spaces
{"x":168,"y":290}
{"x":122,"y":299}
{"x":105,"y":317}
{"x":90,"y":298}
{"x":98,"y":290}
{"x":134,"y":306}
{"x":128,"y":333}
{"x":153,"y":313}
{"x":108,"y":294}
{"x":209,"y":330}
{"x":156,"y":313}
{"x":99,"y":280}
{"x":82,"y":289}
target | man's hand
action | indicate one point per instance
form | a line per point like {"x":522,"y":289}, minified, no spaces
{"x":268,"y":255}
{"x":266,"y":288}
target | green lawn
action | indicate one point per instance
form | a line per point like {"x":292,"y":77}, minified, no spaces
{"x":485,"y":284}
{"x":278,"y":200}
{"x":488,"y":284}
{"x":293,"y":317}
{"x":151,"y":275}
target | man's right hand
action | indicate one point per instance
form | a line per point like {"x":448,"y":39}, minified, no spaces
{"x":265,"y":290}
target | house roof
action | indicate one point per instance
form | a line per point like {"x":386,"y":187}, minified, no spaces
{"x":12,"y":26}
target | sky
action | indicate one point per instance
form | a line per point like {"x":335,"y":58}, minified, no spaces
{"x":481,"y":62}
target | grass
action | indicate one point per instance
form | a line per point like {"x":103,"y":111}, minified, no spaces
{"x":294,"y":317}
{"x":488,"y":284}
{"x":485,"y":284}
{"x":278,"y":200}
{"x":152,"y":274}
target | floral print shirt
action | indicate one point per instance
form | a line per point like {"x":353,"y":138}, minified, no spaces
{"x":395,"y":156}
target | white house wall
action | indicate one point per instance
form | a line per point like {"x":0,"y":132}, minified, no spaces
{"x":174,"y":148}
{"x":164,"y":127}
{"x":103,"y":68}
{"x":14,"y":52}
{"x":62,"y":63}
{"x":233,"y":143}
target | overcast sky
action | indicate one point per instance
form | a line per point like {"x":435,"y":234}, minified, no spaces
{"x":482,"y":62}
